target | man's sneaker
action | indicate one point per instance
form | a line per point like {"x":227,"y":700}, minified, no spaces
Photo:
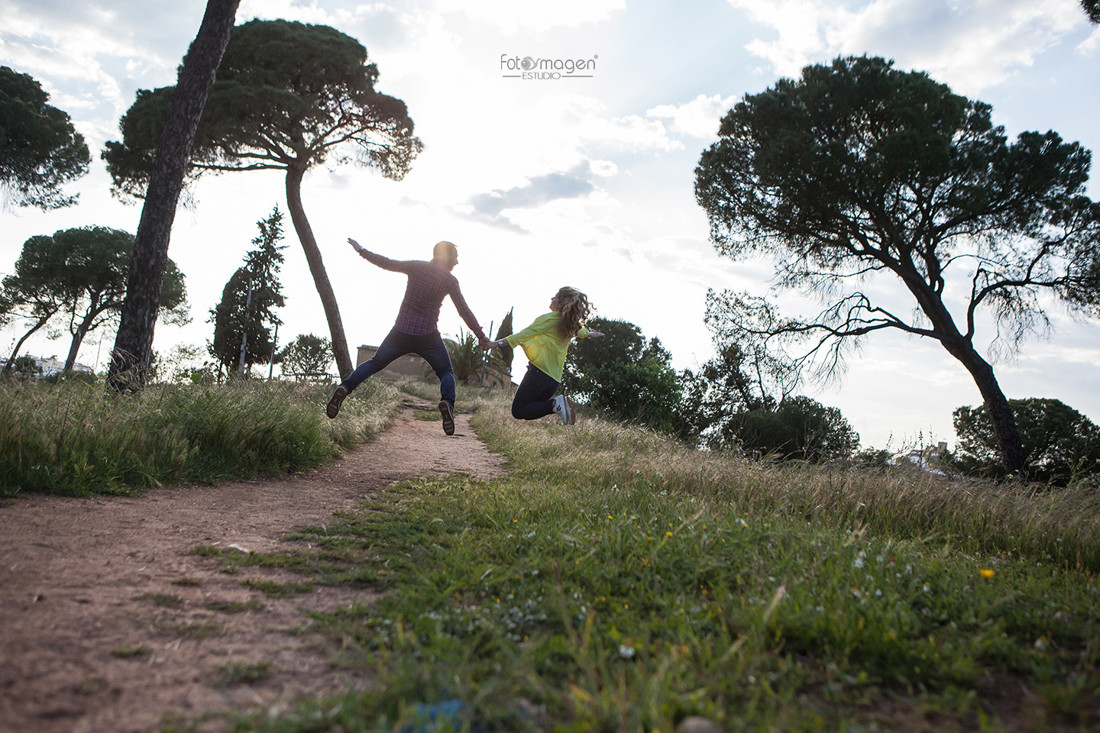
{"x":447,"y":410}
{"x":564,"y":409}
{"x":338,"y":396}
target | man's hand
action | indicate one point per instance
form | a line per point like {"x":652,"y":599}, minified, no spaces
{"x":595,"y":335}
{"x":484,"y":343}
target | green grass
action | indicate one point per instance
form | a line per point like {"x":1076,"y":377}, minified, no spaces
{"x":193,"y":629}
{"x":164,"y":600}
{"x":272,"y":589}
{"x":231,"y":607}
{"x":186,"y":582}
{"x":617,"y":581}
{"x":132,"y":652}
{"x":240,"y":673}
{"x":73,"y":438}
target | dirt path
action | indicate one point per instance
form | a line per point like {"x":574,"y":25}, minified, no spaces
{"x":108,"y":624}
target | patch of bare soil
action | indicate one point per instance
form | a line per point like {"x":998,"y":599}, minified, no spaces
{"x":107,"y":623}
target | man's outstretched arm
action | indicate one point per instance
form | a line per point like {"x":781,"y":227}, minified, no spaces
{"x":384,"y":262}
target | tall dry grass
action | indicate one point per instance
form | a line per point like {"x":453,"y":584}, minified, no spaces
{"x":75,"y":438}
{"x":903,"y":502}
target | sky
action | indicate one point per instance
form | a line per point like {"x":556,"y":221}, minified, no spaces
{"x":584,"y":180}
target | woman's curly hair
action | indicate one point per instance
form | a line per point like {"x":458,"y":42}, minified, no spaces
{"x":575,"y":309}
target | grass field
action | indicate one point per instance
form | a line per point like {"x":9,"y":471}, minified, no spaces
{"x":616,"y":581}
{"x":75,"y":438}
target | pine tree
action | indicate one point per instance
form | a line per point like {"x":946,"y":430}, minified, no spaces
{"x":244,"y":319}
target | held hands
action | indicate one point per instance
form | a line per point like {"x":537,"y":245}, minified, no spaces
{"x":487,"y":344}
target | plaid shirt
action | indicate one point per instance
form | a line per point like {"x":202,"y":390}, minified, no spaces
{"x":429,"y":283}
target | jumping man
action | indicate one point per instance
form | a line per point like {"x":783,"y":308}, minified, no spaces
{"x":416,"y":330}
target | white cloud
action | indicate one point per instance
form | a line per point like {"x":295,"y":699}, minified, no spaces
{"x":628,"y":133}
{"x":513,"y":16}
{"x":1090,"y":45}
{"x":699,"y":118}
{"x":72,"y":39}
{"x":535,"y":130}
{"x":302,"y":12}
{"x":535,"y":192}
{"x":603,"y":168}
{"x":800,"y":24}
{"x":91,"y":59}
{"x":971,"y":46}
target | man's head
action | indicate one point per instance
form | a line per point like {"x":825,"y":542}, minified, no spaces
{"x":446,"y":253}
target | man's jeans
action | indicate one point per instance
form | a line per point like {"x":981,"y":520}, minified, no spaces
{"x":430,"y":346}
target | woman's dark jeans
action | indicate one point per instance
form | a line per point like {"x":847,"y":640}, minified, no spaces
{"x":532,"y":399}
{"x":430,"y":346}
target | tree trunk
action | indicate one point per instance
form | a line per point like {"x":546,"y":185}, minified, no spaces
{"x":27,"y":335}
{"x":960,"y":347}
{"x":244,"y":332}
{"x":1000,"y":412}
{"x":86,"y":325}
{"x":134,"y":342}
{"x":78,"y":339}
{"x":317,"y":269}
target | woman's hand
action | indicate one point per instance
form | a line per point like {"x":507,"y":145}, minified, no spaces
{"x":355,"y":245}
{"x":595,"y":334}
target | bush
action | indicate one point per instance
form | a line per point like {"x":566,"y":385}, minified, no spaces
{"x":624,"y":375}
{"x":72,"y":375}
{"x":25,"y":367}
{"x":800,"y":428}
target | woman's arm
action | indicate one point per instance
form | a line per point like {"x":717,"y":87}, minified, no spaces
{"x":540,"y":325}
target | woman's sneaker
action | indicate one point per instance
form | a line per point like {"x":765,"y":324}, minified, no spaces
{"x":564,"y":409}
{"x":338,"y":396}
{"x":447,"y":410}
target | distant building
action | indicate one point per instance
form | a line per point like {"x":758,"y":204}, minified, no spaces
{"x":49,"y":367}
{"x":926,"y":457}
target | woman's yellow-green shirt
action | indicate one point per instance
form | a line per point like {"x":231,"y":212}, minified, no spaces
{"x":542,"y":344}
